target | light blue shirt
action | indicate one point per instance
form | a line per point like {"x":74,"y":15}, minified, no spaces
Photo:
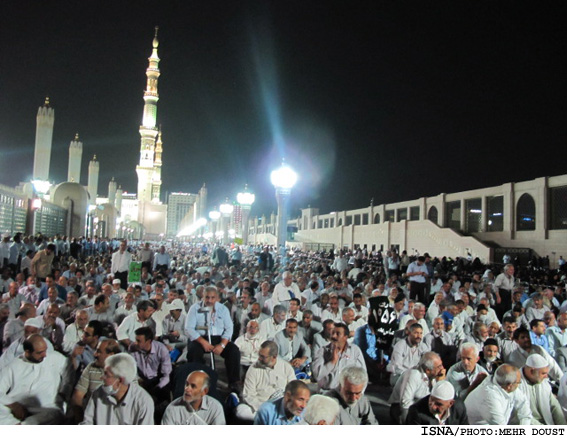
{"x":219,"y":321}
{"x":272,"y":413}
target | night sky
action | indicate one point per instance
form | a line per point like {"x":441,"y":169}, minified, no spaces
{"x":387,"y":100}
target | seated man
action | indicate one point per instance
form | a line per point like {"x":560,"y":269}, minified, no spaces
{"x":119,"y":400}
{"x":406,"y":354}
{"x":74,"y":331}
{"x":91,"y":377}
{"x":142,"y":318}
{"x":439,"y":408}
{"x":493,"y":401}
{"x":265,"y":380}
{"x":269,"y":327}
{"x":489,"y":357}
{"x":537,"y":335}
{"x":321,"y":410}
{"x":153,"y":362}
{"x":35,"y":385}
{"x":466,"y":374}
{"x":355,"y":408}
{"x":287,"y":409}
{"x":439,"y":341}
{"x":249,"y":344}
{"x":322,"y":338}
{"x":84,"y":350}
{"x":174,"y":327}
{"x":212,"y":315}
{"x":414,"y":384}
{"x":53,"y":327}
{"x":291,"y":346}
{"x":195,"y":407}
{"x":544,"y":405}
{"x":331,"y":359}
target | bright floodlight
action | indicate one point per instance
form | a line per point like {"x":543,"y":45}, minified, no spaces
{"x":42,"y":187}
{"x":284,"y":177}
{"x":214,"y":215}
{"x":226,"y":208}
{"x":246,"y":199}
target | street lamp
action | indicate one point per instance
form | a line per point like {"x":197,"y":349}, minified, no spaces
{"x":283,"y":180}
{"x":226,"y":210}
{"x":245,"y":199}
{"x":214,"y":216}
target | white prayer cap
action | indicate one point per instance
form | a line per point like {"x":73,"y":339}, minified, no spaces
{"x":34,"y":322}
{"x":116,"y":281}
{"x":536,"y":361}
{"x":176,"y":304}
{"x":443,"y":390}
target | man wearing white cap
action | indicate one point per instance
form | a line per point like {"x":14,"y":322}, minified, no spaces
{"x":493,"y":401}
{"x":439,"y":408}
{"x":174,"y":326}
{"x":535,"y":386}
{"x":32,"y":326}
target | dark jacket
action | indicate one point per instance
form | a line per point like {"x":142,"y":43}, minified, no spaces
{"x":419,"y":414}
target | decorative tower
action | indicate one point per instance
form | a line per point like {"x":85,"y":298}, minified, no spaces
{"x":156,"y":180}
{"x":112,"y":192}
{"x":118,"y":201}
{"x":75,"y":156}
{"x":149,"y":131}
{"x":92,"y":186}
{"x":43,"y":139}
{"x":202,"y":206}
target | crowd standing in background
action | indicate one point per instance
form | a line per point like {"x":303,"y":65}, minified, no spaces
{"x":303,"y":335}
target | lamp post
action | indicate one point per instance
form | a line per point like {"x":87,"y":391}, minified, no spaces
{"x":283,"y":180}
{"x":226,"y":210}
{"x":245,"y":199}
{"x":214,"y":216}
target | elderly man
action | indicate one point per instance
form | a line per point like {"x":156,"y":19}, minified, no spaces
{"x":439,"y":341}
{"x":321,"y":410}
{"x":249,"y":344}
{"x":334,"y":311}
{"x":126,"y":332}
{"x":265,"y":380}
{"x":195,"y":406}
{"x":52,"y":298}
{"x":287,"y":409}
{"x":466,"y":374}
{"x":355,"y":408}
{"x":213,"y":316}
{"x":34,"y":386}
{"x":91,"y":377}
{"x":557,"y":334}
{"x":121,"y":260}
{"x":492,"y":402}
{"x":119,"y":400}
{"x":331,"y":359}
{"x":418,"y":313}
{"x":31,"y":327}
{"x":174,"y":327}
{"x":418,"y":275}
{"x":414,"y":384}
{"x":503,"y":287}
{"x":53,"y":327}
{"x":292,"y":347}
{"x":285,"y":290}
{"x":544,"y":405}
{"x":74,"y":331}
{"x":439,"y":408}
{"x":14,"y":299}
{"x":269,"y":327}
{"x":407,"y":353}
{"x":489,"y":357}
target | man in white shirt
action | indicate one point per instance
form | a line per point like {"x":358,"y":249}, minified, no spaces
{"x":34,"y":386}
{"x":121,"y":260}
{"x":249,"y":343}
{"x":269,"y":327}
{"x":466,"y":374}
{"x":493,"y":401}
{"x":285,"y":290}
{"x":142,"y":318}
{"x":265,"y":380}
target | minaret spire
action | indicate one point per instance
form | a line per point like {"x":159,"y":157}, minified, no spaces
{"x":148,"y":176}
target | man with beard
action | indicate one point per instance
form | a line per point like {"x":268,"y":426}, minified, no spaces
{"x":287,"y":409}
{"x":34,"y":386}
{"x":489,"y":358}
{"x":406,"y":354}
{"x":439,"y":341}
{"x":265,"y":380}
{"x":544,"y":405}
{"x":249,"y":344}
{"x":195,"y":406}
{"x":440,"y":408}
{"x":355,"y":408}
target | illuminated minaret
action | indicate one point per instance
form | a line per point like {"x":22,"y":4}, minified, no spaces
{"x":112,"y":192}
{"x":43,"y":139}
{"x":156,"y":180}
{"x":148,"y":131}
{"x":92,"y":185}
{"x":75,"y":156}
